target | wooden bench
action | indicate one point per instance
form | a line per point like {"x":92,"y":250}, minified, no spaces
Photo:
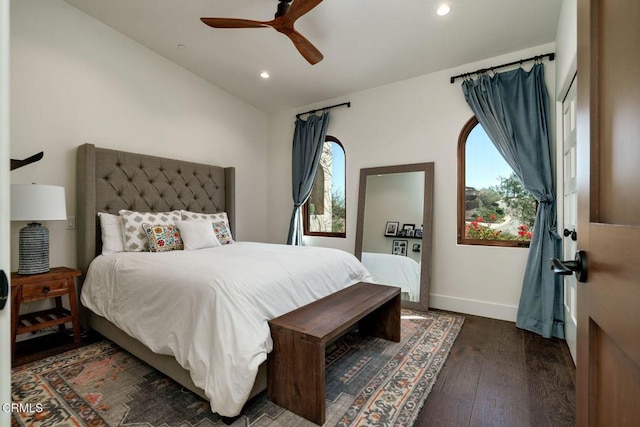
{"x":295,"y":367}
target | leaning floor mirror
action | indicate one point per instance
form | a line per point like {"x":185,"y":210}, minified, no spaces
{"x":394,"y":228}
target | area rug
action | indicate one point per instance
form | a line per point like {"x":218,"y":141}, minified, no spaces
{"x":370,"y":382}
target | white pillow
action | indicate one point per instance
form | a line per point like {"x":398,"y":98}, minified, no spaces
{"x":197,"y":235}
{"x":134,"y":237}
{"x":224,"y":232}
{"x":111,"y":226}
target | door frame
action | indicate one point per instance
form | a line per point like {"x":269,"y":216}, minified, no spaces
{"x":559,"y":156}
{"x":5,"y":242}
{"x":586,"y":101}
{"x":586,"y":126}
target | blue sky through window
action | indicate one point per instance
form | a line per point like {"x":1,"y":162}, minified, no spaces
{"x":484,"y":164}
{"x":338,"y":167}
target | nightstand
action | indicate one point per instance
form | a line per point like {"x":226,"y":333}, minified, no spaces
{"x":56,"y":283}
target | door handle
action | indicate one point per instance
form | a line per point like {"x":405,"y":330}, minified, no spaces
{"x":567,"y":268}
{"x":4,"y":289}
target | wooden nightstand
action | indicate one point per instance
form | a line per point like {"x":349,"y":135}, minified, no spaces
{"x":55,"y":283}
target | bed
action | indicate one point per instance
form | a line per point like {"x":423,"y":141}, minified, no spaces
{"x":226,"y":371}
{"x":394,"y":270}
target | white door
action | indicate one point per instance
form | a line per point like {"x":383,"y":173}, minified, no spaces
{"x":570,"y":213}
{"x":5,"y":247}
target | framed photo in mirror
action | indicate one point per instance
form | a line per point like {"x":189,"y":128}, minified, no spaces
{"x":400,"y":247}
{"x":392,"y":228}
{"x":407,"y":227}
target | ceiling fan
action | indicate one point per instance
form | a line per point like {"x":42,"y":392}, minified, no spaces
{"x":283,"y":22}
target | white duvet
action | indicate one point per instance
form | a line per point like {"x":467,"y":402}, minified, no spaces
{"x":209,"y":308}
{"x":394,"y":270}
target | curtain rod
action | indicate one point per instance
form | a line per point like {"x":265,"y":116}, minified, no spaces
{"x":348,"y":104}
{"x":551,"y":56}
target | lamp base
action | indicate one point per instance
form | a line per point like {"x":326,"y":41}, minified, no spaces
{"x":34,"y":249}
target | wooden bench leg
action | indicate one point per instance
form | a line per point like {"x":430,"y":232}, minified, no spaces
{"x":384,"y":322}
{"x":295,"y":374}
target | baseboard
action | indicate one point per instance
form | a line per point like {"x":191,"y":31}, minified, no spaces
{"x":475,"y":307}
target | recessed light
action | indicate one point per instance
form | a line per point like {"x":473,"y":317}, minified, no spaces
{"x":264,"y":75}
{"x":443,"y":9}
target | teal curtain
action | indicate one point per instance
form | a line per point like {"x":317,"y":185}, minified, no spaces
{"x":308,"y":139}
{"x":513,"y":108}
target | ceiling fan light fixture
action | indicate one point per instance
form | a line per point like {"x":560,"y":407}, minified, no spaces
{"x":443,"y":9}
{"x":288,"y":12}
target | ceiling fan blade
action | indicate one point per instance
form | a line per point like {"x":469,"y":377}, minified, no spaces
{"x":233,"y":23}
{"x":304,"y":46}
{"x":299,"y":8}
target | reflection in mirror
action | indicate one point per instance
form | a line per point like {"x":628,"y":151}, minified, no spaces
{"x":394,"y":259}
{"x":393,"y":238}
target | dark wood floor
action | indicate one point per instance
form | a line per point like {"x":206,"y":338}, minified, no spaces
{"x":30,"y":350}
{"x":496,"y":375}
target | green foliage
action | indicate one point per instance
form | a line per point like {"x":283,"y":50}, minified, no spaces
{"x":517,"y":202}
{"x":490,"y":214}
{"x":338,"y":211}
{"x":489,"y":196}
{"x":517,"y":199}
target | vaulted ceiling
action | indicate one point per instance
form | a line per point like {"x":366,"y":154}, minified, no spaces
{"x":366,"y":43}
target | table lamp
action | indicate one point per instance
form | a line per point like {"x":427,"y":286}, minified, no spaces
{"x":32,"y":203}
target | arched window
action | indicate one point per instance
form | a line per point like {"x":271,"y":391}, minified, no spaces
{"x":493,"y":206}
{"x":324,"y":213}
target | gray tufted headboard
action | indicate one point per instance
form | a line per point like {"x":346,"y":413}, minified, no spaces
{"x":110,"y":180}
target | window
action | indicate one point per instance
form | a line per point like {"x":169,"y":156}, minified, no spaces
{"x":324,"y":213}
{"x":493,"y":206}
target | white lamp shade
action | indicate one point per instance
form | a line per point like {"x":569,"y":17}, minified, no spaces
{"x":34,"y":202}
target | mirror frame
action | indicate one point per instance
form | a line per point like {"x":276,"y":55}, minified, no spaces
{"x":427,"y":223}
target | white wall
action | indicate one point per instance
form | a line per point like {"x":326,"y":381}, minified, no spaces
{"x":5,"y":314}
{"x":415,"y":120}
{"x":566,"y":46}
{"x":75,"y":80}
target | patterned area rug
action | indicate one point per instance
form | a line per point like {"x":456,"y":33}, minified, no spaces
{"x":370,"y":382}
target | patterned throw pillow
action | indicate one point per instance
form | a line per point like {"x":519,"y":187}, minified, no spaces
{"x":135,"y":239}
{"x":163,"y":238}
{"x":222,"y":232}
{"x":215,"y":218}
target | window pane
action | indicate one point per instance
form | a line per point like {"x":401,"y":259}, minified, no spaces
{"x":326,"y":211}
{"x":497,"y":207}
